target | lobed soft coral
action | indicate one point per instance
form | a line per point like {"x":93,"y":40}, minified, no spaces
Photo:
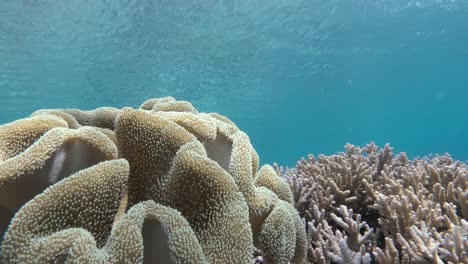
{"x":32,"y":162}
{"x":163,"y":183}
{"x":69,"y":218}
{"x":367,"y":205}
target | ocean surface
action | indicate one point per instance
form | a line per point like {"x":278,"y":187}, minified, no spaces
{"x":299,"y":76}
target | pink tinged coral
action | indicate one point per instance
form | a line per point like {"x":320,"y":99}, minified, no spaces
{"x":388,"y":206}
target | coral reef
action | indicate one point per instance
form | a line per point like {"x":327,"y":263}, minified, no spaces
{"x":163,"y":183}
{"x":367,"y":205}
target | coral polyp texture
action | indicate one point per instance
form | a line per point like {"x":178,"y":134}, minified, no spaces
{"x":367,"y":205}
{"x":160,"y":184}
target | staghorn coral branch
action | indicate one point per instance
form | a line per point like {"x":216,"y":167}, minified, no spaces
{"x":397,"y":210}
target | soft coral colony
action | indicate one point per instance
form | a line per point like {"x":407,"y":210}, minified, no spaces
{"x":167,"y":184}
{"x":160,"y":184}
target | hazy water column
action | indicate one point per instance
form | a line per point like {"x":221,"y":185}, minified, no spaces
{"x":298,"y":76}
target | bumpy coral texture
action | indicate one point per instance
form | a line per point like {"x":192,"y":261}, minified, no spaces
{"x":160,"y":184}
{"x":219,"y":149}
{"x":40,"y":151}
{"x":51,"y":225}
{"x":367,"y":205}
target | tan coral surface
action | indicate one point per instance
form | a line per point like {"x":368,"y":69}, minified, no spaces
{"x":163,"y":183}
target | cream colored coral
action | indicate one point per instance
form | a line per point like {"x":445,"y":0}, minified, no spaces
{"x":153,"y":233}
{"x":268,"y":178}
{"x":264,"y":204}
{"x":55,"y":144}
{"x":192,"y":175}
{"x":168,"y":104}
{"x":86,"y":201}
{"x":263,"y":201}
{"x":147,"y":232}
{"x":17,"y":136}
{"x":149,"y":143}
{"x":219,"y":214}
{"x":231,"y":149}
{"x":57,"y":154}
{"x":71,"y":121}
{"x":150,"y":103}
{"x":102,"y":117}
{"x":187,"y":180}
{"x":99,"y":119}
{"x":222,"y":119}
{"x":275,"y":236}
{"x":200,"y":125}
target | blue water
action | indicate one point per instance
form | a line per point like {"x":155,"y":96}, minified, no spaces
{"x":299,"y":76}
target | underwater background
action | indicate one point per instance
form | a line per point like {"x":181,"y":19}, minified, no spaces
{"x":298,"y":76}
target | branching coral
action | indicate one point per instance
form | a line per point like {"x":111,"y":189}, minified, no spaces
{"x":368,"y":205}
{"x":185,"y":189}
{"x":167,"y":184}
